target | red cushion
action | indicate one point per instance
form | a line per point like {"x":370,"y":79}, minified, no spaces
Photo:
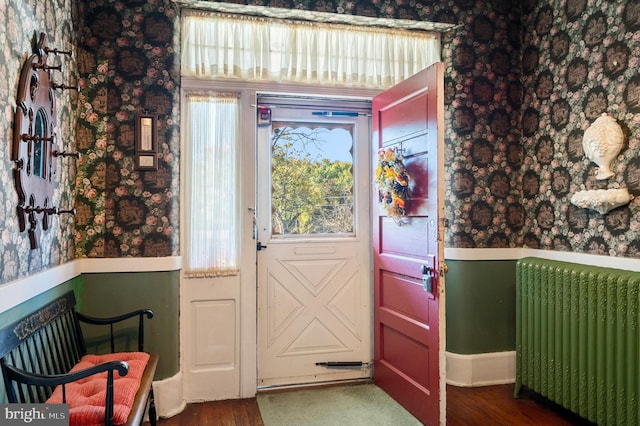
{"x":86,"y":397}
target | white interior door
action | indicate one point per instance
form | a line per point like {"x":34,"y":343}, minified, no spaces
{"x":312,"y":228}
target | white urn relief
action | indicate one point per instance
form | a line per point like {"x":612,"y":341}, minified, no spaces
{"x":601,"y":200}
{"x":602,"y":143}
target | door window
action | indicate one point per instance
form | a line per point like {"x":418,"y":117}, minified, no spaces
{"x":312,"y":179}
{"x":211,"y":154}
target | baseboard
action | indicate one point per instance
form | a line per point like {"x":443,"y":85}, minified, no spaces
{"x":168,"y":396}
{"x":481,"y":369}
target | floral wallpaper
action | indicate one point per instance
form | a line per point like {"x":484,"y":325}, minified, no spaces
{"x":128,"y":65}
{"x":523,"y":82}
{"x":22,"y":22}
{"x":579,"y":59}
{"x":483,"y":91}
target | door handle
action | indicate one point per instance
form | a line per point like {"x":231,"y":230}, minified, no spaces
{"x":427,"y":278}
{"x":260,"y":246}
{"x":444,"y":268}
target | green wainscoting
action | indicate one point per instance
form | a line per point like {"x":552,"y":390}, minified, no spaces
{"x":481,"y":306}
{"x":110,"y":294}
{"x":25,"y":308}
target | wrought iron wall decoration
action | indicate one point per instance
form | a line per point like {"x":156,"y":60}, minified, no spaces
{"x":34,"y":150}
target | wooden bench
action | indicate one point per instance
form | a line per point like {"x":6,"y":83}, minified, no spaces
{"x":38,"y":352}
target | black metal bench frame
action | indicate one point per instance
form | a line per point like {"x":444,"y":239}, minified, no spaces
{"x":37,"y":352}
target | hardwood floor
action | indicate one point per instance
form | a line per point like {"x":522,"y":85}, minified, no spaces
{"x":495,"y":405}
{"x":481,"y":406}
{"x":231,"y":412}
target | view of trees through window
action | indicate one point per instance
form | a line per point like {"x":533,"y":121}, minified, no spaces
{"x":312,"y":179}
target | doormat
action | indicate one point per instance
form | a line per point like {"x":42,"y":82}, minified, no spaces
{"x":353,"y":405}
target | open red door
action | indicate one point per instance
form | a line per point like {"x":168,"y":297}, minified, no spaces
{"x":408,"y":275}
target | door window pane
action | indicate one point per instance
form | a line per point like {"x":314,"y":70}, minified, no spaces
{"x":211,"y":184}
{"x":312,"y":179}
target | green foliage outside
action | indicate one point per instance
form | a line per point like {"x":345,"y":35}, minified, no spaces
{"x":310,"y":194}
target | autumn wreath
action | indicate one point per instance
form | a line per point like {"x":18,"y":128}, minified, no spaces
{"x":393,"y":183}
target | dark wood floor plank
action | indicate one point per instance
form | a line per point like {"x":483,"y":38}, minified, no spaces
{"x":480,"y":406}
{"x":495,"y":405}
{"x":232,"y":412}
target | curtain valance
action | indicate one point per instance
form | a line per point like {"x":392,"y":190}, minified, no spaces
{"x":219,"y":45}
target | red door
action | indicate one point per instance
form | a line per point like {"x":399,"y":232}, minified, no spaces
{"x":407,"y":253}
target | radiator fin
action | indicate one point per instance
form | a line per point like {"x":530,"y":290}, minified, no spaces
{"x":577,"y":338}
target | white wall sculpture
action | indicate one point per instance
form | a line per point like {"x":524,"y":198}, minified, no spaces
{"x":602,"y":143}
{"x":601,"y":200}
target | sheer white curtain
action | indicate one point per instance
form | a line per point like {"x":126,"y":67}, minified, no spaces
{"x":216,"y":45}
{"x":211,"y":174}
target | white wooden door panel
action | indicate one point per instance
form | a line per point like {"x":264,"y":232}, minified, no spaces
{"x":313,"y":290}
{"x":210,"y":326}
{"x":315,"y":312}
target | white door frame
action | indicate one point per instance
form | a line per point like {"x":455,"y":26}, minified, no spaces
{"x":246,"y":281}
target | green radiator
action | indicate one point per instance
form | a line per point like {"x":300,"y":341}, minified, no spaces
{"x":577,"y":338}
